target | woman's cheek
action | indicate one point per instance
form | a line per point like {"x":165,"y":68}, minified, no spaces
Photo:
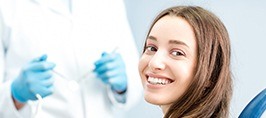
{"x":183,"y":71}
{"x":143,"y":63}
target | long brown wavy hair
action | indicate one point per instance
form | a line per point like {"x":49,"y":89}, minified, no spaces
{"x":209,"y":93}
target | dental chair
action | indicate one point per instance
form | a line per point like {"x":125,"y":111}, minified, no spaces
{"x":255,"y":107}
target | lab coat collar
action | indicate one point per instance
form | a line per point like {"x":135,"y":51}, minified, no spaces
{"x":57,"y":6}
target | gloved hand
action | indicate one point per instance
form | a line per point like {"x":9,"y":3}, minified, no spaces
{"x":110,"y":68}
{"x":34,"y":78}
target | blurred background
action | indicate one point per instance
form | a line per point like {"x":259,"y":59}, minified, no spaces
{"x":246,"y":24}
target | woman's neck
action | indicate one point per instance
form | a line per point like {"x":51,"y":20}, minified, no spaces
{"x":164,"y":108}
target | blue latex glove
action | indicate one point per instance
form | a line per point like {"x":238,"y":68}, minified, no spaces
{"x":110,"y":68}
{"x":34,"y":78}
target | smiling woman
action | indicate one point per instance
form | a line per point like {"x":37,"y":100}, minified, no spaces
{"x":185,"y":65}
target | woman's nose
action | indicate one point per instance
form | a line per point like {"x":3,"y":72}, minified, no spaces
{"x":157,"y":62}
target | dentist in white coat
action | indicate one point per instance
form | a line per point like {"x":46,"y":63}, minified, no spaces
{"x":57,"y":59}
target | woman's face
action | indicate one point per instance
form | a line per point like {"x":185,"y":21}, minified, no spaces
{"x":167,"y":66}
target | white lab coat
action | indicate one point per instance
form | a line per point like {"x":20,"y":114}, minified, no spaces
{"x":73,"y":38}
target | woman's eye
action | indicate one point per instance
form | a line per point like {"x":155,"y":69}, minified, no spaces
{"x":151,"y":48}
{"x":177,"y":53}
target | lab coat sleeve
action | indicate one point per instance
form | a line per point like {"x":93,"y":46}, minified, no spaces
{"x":7,"y":108}
{"x":117,"y":99}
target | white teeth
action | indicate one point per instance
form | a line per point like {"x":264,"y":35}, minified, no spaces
{"x":153,"y":80}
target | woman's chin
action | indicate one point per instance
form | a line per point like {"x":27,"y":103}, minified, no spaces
{"x":153,"y":100}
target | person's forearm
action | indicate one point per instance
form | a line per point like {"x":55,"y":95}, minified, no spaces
{"x":17,"y":104}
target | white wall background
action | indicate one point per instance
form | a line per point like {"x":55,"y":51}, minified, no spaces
{"x":246,"y":24}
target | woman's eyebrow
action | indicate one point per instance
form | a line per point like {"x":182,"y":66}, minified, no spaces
{"x":152,"y":38}
{"x":178,"y":42}
{"x":170,"y":41}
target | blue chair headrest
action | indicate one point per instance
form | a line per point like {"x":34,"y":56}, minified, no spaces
{"x":255,"y":107}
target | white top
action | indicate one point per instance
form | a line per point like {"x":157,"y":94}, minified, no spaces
{"x":73,"y":35}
